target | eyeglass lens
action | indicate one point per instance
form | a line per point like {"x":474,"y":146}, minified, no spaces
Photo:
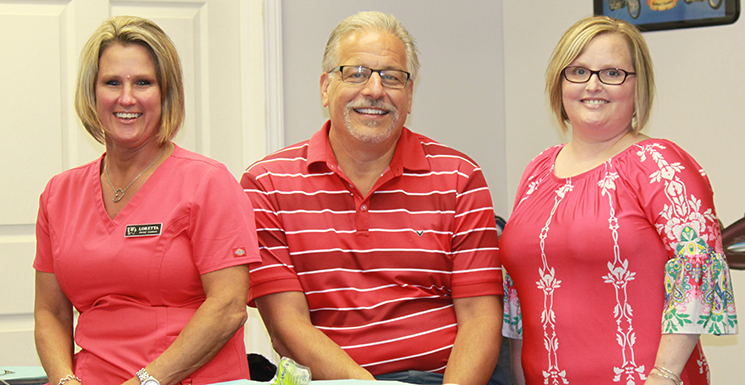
{"x":613,"y":76}
{"x":360,"y":75}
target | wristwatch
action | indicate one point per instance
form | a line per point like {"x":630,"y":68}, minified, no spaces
{"x":146,"y":378}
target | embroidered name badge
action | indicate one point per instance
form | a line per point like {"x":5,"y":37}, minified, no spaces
{"x":143,"y":230}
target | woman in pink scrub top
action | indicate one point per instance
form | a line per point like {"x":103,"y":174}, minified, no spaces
{"x":149,"y":243}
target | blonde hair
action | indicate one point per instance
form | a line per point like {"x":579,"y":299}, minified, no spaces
{"x":126,"y":30}
{"x":574,"y":41}
{"x":371,"y":20}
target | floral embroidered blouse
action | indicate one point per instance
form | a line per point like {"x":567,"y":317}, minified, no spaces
{"x":606,"y":261}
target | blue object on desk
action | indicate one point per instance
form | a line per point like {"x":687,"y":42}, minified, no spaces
{"x":23,"y":375}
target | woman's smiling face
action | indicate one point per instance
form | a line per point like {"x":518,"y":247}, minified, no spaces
{"x":128,"y":97}
{"x":600,"y":110}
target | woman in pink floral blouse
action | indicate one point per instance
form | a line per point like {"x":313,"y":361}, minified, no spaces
{"x":613,"y":247}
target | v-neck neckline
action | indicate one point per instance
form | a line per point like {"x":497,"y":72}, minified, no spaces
{"x":132,"y":205}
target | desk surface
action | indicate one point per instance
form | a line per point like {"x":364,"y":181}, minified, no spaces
{"x":37,"y":372}
{"x":20,"y":373}
{"x":319,"y":382}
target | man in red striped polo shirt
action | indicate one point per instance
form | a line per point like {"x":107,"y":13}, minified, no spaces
{"x":379,"y":246}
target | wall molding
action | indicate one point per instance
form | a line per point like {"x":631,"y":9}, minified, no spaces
{"x":275,"y":134}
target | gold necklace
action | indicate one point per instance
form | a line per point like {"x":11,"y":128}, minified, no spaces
{"x":119,"y":193}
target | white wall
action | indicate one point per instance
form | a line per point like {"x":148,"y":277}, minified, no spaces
{"x":458,"y":95}
{"x":700,"y":106}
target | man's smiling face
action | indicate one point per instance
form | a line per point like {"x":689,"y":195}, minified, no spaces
{"x":370,"y":112}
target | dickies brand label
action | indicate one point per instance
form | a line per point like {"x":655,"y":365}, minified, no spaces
{"x":143,"y":230}
{"x":239,"y":252}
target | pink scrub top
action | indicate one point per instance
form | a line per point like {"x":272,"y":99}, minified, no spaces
{"x":135,"y":279}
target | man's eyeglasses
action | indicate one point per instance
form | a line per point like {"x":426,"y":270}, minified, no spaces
{"x":611,"y":76}
{"x":359,"y":75}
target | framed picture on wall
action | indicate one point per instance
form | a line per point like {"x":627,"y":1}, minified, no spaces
{"x":655,"y":15}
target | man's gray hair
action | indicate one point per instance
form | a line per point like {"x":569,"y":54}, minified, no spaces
{"x":371,"y":20}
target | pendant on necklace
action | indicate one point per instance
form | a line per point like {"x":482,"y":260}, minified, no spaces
{"x":118,"y":195}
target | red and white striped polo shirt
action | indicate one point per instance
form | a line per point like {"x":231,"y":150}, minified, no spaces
{"x":379,"y":272}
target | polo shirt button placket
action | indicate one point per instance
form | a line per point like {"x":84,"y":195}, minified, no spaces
{"x":362,"y":220}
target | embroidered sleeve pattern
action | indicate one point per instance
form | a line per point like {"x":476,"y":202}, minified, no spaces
{"x":699,"y":297}
{"x":512,"y":327}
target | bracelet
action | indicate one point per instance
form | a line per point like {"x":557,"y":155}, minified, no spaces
{"x":68,"y":378}
{"x":667,"y":374}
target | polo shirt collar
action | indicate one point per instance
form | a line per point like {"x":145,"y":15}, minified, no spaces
{"x":409,"y":154}
{"x":319,"y":148}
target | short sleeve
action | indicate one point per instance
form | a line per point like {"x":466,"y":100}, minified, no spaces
{"x":699,"y":297}
{"x":222,"y":226}
{"x":275,"y":272}
{"x":475,"y":245}
{"x":43,"y":261}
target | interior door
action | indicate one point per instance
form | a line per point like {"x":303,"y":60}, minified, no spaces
{"x":220,"y":43}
